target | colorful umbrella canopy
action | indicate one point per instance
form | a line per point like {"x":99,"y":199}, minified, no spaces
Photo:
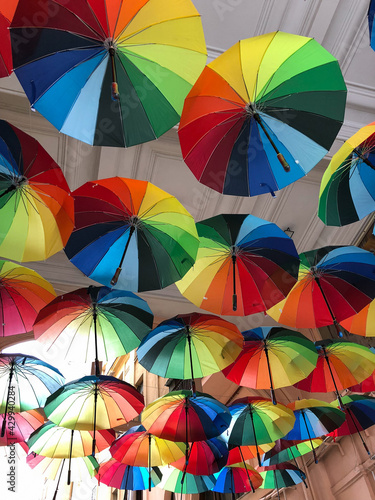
{"x":50,"y":467}
{"x":237,"y":479}
{"x":340,"y":365}
{"x":191,"y":484}
{"x":275,"y":98}
{"x":53,"y":441}
{"x":131,"y":233}
{"x":205,"y":457}
{"x":280,"y":476}
{"x":93,"y":322}
{"x":257,"y":421}
{"x":138,"y":448}
{"x":238,"y":454}
{"x":110,"y":73}
{"x":25,"y":384}
{"x":23,"y":292}
{"x":190,"y":345}
{"x":347,"y":191}
{"x":244,"y":265}
{"x":185,"y":417}
{"x":285,"y":450}
{"x":367,"y":385}
{"x":6,"y":15}
{"x":314,"y":418}
{"x":126,"y":477}
{"x":360,"y":415}
{"x":371,"y":15}
{"x":20,"y":426}
{"x":334,"y":283}
{"x":362,"y":323}
{"x":272,"y":357}
{"x":94,"y":402}
{"x":36,"y":206}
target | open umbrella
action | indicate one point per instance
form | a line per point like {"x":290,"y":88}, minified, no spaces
{"x":126,"y":477}
{"x":271,"y":99}
{"x":94,"y":402}
{"x":287,"y":450}
{"x":244,"y":265}
{"x":340,"y":365}
{"x":347,"y":190}
{"x":205,"y":457}
{"x":237,"y":478}
{"x":6,"y":15}
{"x":314,"y":419}
{"x":192,"y":484}
{"x":20,"y":426}
{"x":367,"y":385}
{"x":93,"y":322}
{"x":281,"y":476}
{"x":238,"y":454}
{"x":109,"y":73}
{"x":362,"y":323}
{"x":23,"y":292}
{"x":257,"y":421}
{"x":25,"y":384}
{"x":272,"y":357}
{"x":334,"y":283}
{"x":131,"y":234}
{"x":53,"y":441}
{"x":36,"y":206}
{"x":360,"y":415}
{"x":189,"y":346}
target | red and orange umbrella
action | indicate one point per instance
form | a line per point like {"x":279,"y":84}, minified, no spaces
{"x":7,"y":10}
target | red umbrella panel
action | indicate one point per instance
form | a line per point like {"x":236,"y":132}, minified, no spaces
{"x":20,"y":426}
{"x":7,"y":10}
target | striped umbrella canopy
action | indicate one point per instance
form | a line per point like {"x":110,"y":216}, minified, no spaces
{"x":127,"y":477}
{"x":238,"y":454}
{"x":362,"y":323}
{"x":190,"y":345}
{"x":281,"y":476}
{"x":314,"y":419}
{"x":188,"y":484}
{"x":256,"y":421}
{"x":6,"y":15}
{"x":272,"y":357}
{"x":287,"y":450}
{"x":93,"y":323}
{"x":237,"y":479}
{"x":130,"y":234}
{"x":23,"y":293}
{"x":244,"y":265}
{"x":205,"y":457}
{"x":52,"y":468}
{"x":20,"y":426}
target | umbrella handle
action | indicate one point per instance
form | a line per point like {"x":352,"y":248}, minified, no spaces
{"x":119,"y":269}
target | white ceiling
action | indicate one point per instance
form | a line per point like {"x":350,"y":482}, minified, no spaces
{"x":339,"y":25}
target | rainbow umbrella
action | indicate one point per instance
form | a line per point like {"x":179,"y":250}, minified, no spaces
{"x":262,"y":114}
{"x":20,"y":426}
{"x":362,"y":323}
{"x":53,"y":441}
{"x":347,"y":190}
{"x":334,"y":283}
{"x":256,"y":421}
{"x":360,"y":415}
{"x":367,"y":385}
{"x":92,"y":403}
{"x":23,"y":292}
{"x":36,"y":206}
{"x":314,"y":418}
{"x":281,"y":476}
{"x":340,"y":365}
{"x":244,"y":266}
{"x":131,"y":234}
{"x":237,"y":479}
{"x":286,"y":450}
{"x":272,"y":357}
{"x":172,"y":481}
{"x":205,"y":457}
{"x":93,"y":321}
{"x":6,"y":15}
{"x":109,"y":73}
{"x":126,"y":477}
{"x":238,"y":454}
{"x":25,"y":384}
{"x":190,"y":345}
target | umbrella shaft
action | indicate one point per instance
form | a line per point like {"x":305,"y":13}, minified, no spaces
{"x":119,"y":269}
{"x":191,"y":361}
{"x":247,"y":472}
{"x":95,"y":408}
{"x":270,"y":374}
{"x":255,"y":437}
{"x":332,"y":376}
{"x":325,"y":300}
{"x":357,"y":429}
{"x":234,"y":299}
{"x":95,"y":315}
{"x":308,"y":433}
